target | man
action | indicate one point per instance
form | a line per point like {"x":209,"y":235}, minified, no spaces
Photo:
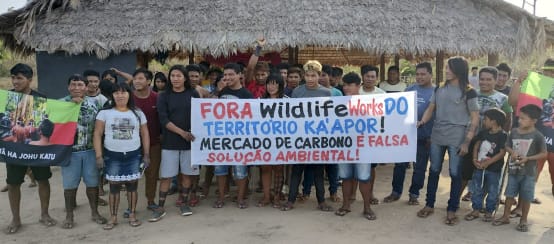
{"x":424,"y":90}
{"x":233,"y":90}
{"x":283,"y":69}
{"x":336,"y":78}
{"x":194,"y":72}
{"x":325,"y":80}
{"x":22,"y":76}
{"x":312,"y":71}
{"x":369,"y":82}
{"x":256,"y":72}
{"x":504,"y":75}
{"x":361,"y":172}
{"x":393,"y":84}
{"x":474,"y":77}
{"x":294,"y":76}
{"x":146,"y":99}
{"x":83,"y":162}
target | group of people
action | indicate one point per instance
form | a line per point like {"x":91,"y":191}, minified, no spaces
{"x":133,"y":128}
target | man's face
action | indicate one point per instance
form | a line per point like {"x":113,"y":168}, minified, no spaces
{"x":474,"y":72}
{"x":231,"y":78}
{"x":140,"y":82}
{"x":77,"y":88}
{"x":394,"y":76}
{"x":486,"y":82}
{"x":423,"y":77}
{"x":194,"y":78}
{"x":20,"y":83}
{"x":312,"y":78}
{"x":324,"y":79}
{"x":93,"y":82}
{"x":503,"y":77}
{"x":177,"y":79}
{"x":261,"y":76}
{"x":284,"y":73}
{"x":351,"y":89}
{"x":335,"y":80}
{"x":293,"y":80}
{"x":369,"y":79}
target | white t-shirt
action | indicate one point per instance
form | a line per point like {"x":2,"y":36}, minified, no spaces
{"x":376,"y":90}
{"x":398,"y":87}
{"x":474,"y":81}
{"x":121,"y":129}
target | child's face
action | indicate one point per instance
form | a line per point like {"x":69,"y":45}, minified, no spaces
{"x":525,"y":121}
{"x":487,"y":123}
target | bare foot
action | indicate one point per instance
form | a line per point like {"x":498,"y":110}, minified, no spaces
{"x":13,"y":227}
{"x":47,"y":221}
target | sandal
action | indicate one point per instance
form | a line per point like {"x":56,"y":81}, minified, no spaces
{"x":262,"y":203}
{"x":67,"y":224}
{"x":99,"y":219}
{"x":471,"y":216}
{"x":374,"y":201}
{"x":335,"y":198}
{"x":499,"y":222}
{"x":370,"y":215}
{"x":109,"y":226}
{"x":342,"y":211}
{"x":218,"y":204}
{"x":242,"y":205}
{"x":413,"y":201}
{"x":391,"y":198}
{"x":303,"y":198}
{"x":324,"y":207}
{"x":135,"y":223}
{"x":536,"y":201}
{"x":451,"y":221}
{"x":287,"y":206}
{"x":48,"y":221}
{"x":487,"y":217}
{"x":425,"y":212}
{"x":514,"y":214}
{"x":276,"y":204}
{"x":523,"y":227}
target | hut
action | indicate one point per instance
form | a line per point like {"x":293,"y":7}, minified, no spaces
{"x":105,"y":28}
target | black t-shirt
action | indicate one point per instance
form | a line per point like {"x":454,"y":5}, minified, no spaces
{"x":175,"y":107}
{"x":491,"y":144}
{"x":228,"y":93}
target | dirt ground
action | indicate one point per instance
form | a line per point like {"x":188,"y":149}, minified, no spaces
{"x":397,"y":222}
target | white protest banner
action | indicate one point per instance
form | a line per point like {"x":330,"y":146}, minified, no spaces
{"x":350,"y":129}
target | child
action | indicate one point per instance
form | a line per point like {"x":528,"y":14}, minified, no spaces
{"x":526,"y":145}
{"x":488,"y":159}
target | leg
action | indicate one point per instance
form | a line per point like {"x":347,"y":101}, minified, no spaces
{"x":113,"y":203}
{"x":363,"y":175}
{"x":221,"y":172}
{"x":333,"y":176}
{"x":295,"y":176}
{"x":70,"y":196}
{"x":14,"y":195}
{"x":151,"y":175}
{"x":455,"y":170}
{"x":132,"y":198}
{"x":90,"y":177}
{"x":208,"y":176}
{"x":266,"y":184}
{"x":320,"y":187}
{"x":477,"y":196}
{"x":418,"y":177}
{"x":374,"y":200}
{"x":92,"y":195}
{"x":398,"y":176}
{"x":241,"y":176}
{"x":44,"y":195}
{"x":308,"y":181}
{"x":277,"y":184}
{"x":437,"y":156}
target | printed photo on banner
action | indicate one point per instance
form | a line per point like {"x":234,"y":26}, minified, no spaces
{"x":35,"y":130}
{"x":358,"y":129}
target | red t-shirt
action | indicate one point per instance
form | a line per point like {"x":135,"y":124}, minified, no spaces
{"x":256,"y":89}
{"x":150,"y":110}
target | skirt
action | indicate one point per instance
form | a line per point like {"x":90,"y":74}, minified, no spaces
{"x":122,"y":166}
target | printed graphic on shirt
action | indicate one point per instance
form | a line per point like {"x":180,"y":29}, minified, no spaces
{"x":521,"y":147}
{"x":486,"y":150}
{"x":122,"y":129}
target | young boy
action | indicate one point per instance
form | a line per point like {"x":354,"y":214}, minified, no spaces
{"x":526,"y":146}
{"x":488,"y":159}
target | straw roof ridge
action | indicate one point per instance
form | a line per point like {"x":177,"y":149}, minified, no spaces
{"x":220,"y":27}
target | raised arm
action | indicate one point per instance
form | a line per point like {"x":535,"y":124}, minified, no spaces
{"x":128,"y":77}
{"x":249,"y":72}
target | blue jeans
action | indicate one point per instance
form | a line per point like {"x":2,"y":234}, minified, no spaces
{"x":437,"y":158}
{"x":308,"y":181}
{"x":82,"y":165}
{"x":333,"y":176}
{"x":489,"y":184}
{"x":418,"y":178}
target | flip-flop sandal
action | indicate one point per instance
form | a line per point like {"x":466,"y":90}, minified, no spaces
{"x":99,"y":220}
{"x":391,"y":198}
{"x":523,"y":227}
{"x":451,"y":221}
{"x":498,"y":222}
{"x":218,"y":204}
{"x":276,"y":205}
{"x":487,"y":218}
{"x":536,"y":201}
{"x":67,"y":224}
{"x":413,"y":201}
{"x":48,"y":222}
{"x":287,"y":206}
{"x":12,"y":229}
{"x":470,"y":217}
{"x":335,"y":198}
{"x":341,"y":212}
{"x":135,"y":223}
{"x":425,"y":212}
{"x":324,"y":207}
{"x":374,"y":201}
{"x":262,"y":204}
{"x":370,"y":215}
{"x":242,"y":205}
{"x":515,"y":215}
{"x":109,"y":226}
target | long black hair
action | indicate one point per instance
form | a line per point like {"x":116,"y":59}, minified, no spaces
{"x":123,"y":87}
{"x":459,"y":67}
{"x":159,"y":76}
{"x":277,"y":78}
{"x":183,"y":70}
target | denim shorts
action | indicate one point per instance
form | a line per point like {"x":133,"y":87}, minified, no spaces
{"x":362,"y":172}
{"x":122,"y":166}
{"x":82,"y":164}
{"x":239,"y":171}
{"x":523,"y":185}
{"x":175,"y":161}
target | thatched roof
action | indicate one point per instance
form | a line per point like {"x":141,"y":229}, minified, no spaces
{"x":470,"y":27}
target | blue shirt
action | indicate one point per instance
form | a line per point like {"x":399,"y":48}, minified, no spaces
{"x":423,"y":100}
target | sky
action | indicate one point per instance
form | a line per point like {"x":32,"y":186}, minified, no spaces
{"x":543,"y":6}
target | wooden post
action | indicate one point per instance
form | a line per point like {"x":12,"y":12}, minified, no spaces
{"x":382,"y":67}
{"x":397,"y":60}
{"x":290,"y":59}
{"x":191,"y":56}
{"x":440,"y":66}
{"x":296,"y":51}
{"x":492,"y":59}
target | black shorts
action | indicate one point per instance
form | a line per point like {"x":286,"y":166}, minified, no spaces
{"x":467,"y":163}
{"x":16,"y":173}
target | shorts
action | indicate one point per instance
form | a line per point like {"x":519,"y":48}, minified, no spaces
{"x":239,"y":171}
{"x":362,"y":172}
{"x":16,"y":173}
{"x":523,"y":185}
{"x":173,"y":160}
{"x":467,"y":162}
{"x":122,"y":166}
{"x":82,"y":164}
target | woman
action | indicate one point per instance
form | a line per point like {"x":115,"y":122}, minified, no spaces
{"x":274,"y":88}
{"x":174,"y":110}
{"x":457,"y":116}
{"x":125,"y":133}
{"x":160,"y":82}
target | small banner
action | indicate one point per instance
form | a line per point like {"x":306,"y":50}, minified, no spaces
{"x":350,"y":129}
{"x":36,"y":131}
{"x":536,"y":89}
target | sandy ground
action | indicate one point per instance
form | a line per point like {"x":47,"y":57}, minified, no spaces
{"x":397,"y":222}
